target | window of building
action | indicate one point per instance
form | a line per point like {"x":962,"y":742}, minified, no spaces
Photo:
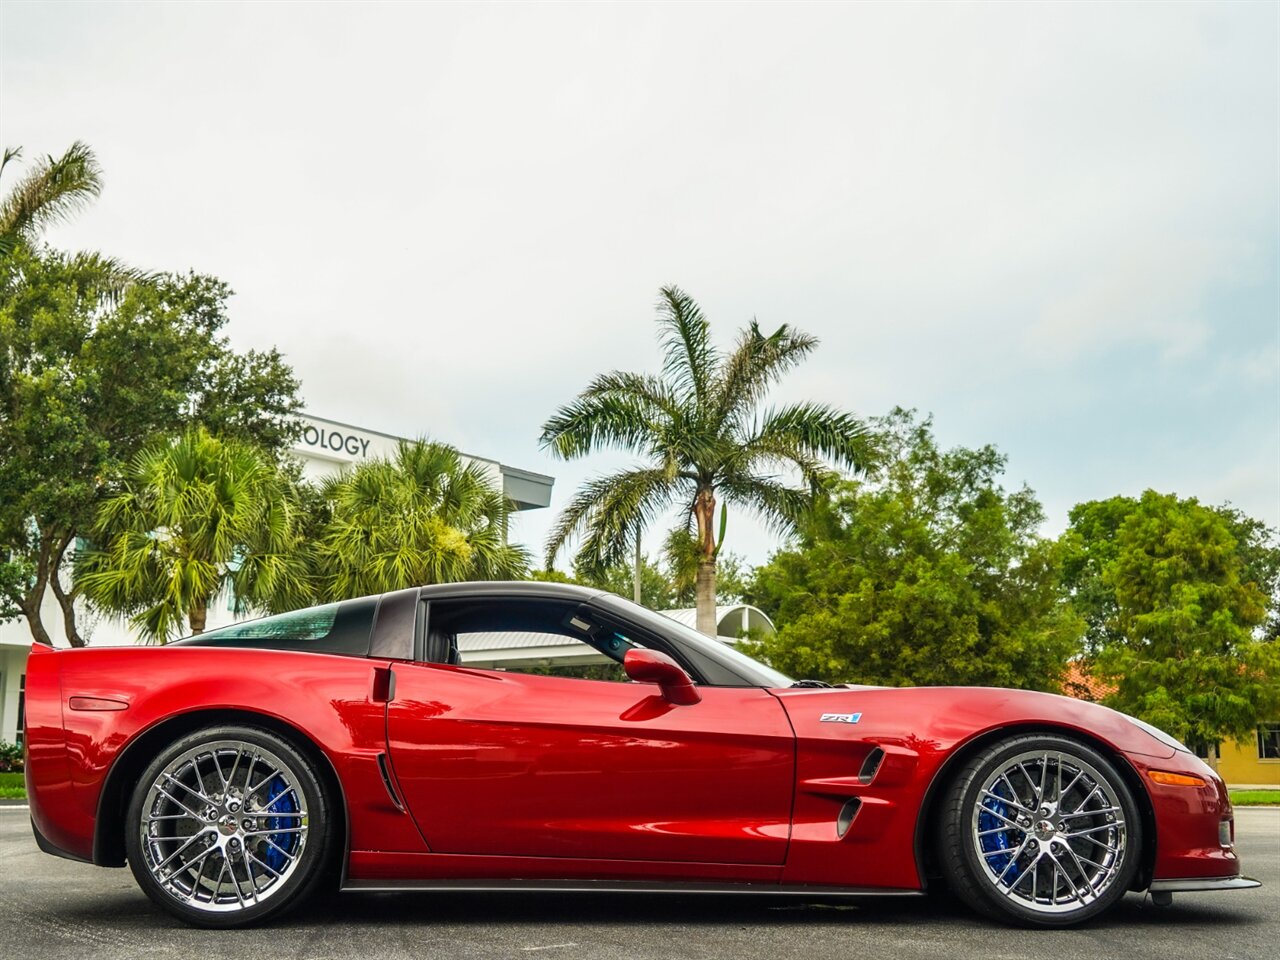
{"x":1269,"y":741}
{"x":21,"y":735}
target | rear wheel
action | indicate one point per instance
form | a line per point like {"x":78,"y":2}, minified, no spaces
{"x":227,"y":826}
{"x":1040,"y":831}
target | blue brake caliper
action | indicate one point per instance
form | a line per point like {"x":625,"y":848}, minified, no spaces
{"x":993,"y":844}
{"x":280,"y":800}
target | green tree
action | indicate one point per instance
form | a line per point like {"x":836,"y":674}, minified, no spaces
{"x":701,"y":428}
{"x":425,"y":516}
{"x":1176,"y":597}
{"x":92,"y":372}
{"x":925,"y":572}
{"x":192,"y":517}
{"x":655,"y":587}
{"x":665,"y":585}
{"x":54,"y":189}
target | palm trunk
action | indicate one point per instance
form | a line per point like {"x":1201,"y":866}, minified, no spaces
{"x":199,"y":613}
{"x":704,"y":508}
{"x":706,"y":586}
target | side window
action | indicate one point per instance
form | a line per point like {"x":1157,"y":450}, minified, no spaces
{"x":536,"y":637}
{"x":1269,"y":741}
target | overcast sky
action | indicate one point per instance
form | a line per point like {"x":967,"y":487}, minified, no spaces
{"x":1056,"y":227}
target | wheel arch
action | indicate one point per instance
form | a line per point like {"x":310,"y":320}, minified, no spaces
{"x":108,"y":836}
{"x":925,"y":854}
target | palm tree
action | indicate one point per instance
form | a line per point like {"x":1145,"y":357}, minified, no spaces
{"x":192,"y":516}
{"x":425,"y":516}
{"x":54,"y":189}
{"x":700,"y":427}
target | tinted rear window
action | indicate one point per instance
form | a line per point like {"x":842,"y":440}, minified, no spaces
{"x":333,"y":628}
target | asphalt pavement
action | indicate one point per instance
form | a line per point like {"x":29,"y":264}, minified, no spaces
{"x":52,"y":908}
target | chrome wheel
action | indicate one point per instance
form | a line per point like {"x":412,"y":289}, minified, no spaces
{"x":1050,"y":831}
{"x":223,"y":825}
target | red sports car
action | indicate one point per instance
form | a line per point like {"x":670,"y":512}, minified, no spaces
{"x":236,"y":771}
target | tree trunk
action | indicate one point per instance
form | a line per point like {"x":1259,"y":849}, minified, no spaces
{"x":30,"y":603}
{"x":1212,"y":758}
{"x":32,"y":613}
{"x":199,"y":613}
{"x":636,"y":574}
{"x":66,"y":599}
{"x":67,"y":602}
{"x":704,"y":509}
{"x":706,"y":584}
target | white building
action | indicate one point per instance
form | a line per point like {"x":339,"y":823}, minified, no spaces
{"x":325,"y":448}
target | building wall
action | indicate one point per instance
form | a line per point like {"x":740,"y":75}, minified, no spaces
{"x":13,"y":663}
{"x":1239,"y":763}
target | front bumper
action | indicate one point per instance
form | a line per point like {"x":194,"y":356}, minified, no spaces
{"x":1202,"y":884}
{"x":1194,"y":825}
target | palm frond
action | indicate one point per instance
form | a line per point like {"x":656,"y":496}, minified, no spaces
{"x":10,"y":153}
{"x":690,"y":360}
{"x":603,"y":420}
{"x":643,"y":388}
{"x":756,"y":363}
{"x":53,"y":190}
{"x":779,"y":507}
{"x":426,"y":516}
{"x":606,"y":512}
{"x":814,"y":430}
{"x":191,"y":514}
{"x":105,"y":278}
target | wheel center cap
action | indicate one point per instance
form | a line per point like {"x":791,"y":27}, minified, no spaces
{"x":1045,"y":830}
{"x":228,"y":825}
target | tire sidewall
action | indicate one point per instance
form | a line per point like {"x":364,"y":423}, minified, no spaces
{"x":966,"y":790}
{"x":314,"y":855}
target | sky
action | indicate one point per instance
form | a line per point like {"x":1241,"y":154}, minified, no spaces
{"x":1055,"y":227}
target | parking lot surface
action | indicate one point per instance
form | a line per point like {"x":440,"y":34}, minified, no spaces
{"x":52,"y":908}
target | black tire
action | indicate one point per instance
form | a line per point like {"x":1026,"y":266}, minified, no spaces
{"x":1039,"y":858}
{"x":237,"y":831}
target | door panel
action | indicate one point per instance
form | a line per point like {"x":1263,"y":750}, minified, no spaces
{"x":513,"y":764}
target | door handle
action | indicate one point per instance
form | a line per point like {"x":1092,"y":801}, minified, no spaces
{"x":382,"y":688}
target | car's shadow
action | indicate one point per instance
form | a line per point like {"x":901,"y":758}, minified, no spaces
{"x":648,"y":909}
{"x":425,"y":910}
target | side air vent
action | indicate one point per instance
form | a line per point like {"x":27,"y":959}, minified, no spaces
{"x":847,"y":813}
{"x":386,"y":781}
{"x":871,"y":766}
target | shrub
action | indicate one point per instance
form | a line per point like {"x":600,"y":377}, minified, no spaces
{"x":10,"y":758}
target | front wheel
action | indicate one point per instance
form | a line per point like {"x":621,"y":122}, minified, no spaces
{"x":227,"y":826}
{"x":1039,"y":831}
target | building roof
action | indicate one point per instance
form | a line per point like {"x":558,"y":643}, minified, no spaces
{"x":732,"y":620}
{"x":1079,"y":682}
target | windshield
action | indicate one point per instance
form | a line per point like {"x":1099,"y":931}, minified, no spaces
{"x":757,"y":673}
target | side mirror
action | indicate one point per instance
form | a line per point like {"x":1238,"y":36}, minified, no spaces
{"x":652,"y":666}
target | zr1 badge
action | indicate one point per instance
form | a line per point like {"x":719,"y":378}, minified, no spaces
{"x":840,"y":718}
